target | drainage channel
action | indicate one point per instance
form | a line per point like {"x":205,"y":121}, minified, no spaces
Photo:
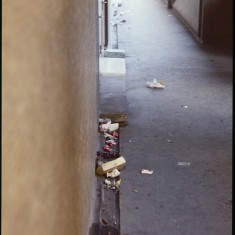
{"x":109,"y":164}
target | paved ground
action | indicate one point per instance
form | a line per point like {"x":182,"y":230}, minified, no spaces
{"x":174,"y":200}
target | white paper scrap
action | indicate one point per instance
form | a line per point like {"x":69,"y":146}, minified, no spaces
{"x":183,"y":163}
{"x":155,"y":84}
{"x":144,"y":171}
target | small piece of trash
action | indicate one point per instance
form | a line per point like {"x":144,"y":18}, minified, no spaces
{"x":113,"y":173}
{"x":144,"y":171}
{"x":170,"y":141}
{"x":155,"y":84}
{"x":184,"y":106}
{"x":104,"y":221}
{"x":183,"y":163}
{"x":135,"y":191}
{"x":109,"y":126}
{"x":107,"y":182}
{"x":118,"y":183}
{"x":99,"y":162}
{"x":113,"y":126}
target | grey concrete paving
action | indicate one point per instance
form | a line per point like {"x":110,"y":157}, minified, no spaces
{"x":174,"y":200}
{"x":113,"y":94}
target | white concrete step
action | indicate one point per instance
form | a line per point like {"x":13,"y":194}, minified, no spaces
{"x":112,"y":66}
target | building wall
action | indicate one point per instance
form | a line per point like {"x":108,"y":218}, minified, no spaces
{"x":189,"y":11}
{"x":216,"y":19}
{"x":49,"y":119}
{"x":217,"y":22}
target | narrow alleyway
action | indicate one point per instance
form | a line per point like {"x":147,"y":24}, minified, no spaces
{"x":190,"y":120}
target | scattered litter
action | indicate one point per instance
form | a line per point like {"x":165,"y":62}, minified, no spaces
{"x":184,"y":106}
{"x":120,"y":118}
{"x":104,"y":221}
{"x":135,"y":191}
{"x":107,"y":182}
{"x":110,"y":142}
{"x":108,"y":154}
{"x":118,"y":183}
{"x":170,"y":141}
{"x":155,"y":84}
{"x":105,"y":126}
{"x":104,"y":120}
{"x":113,"y":127}
{"x":115,"y":134}
{"x":106,"y":135}
{"x":99,"y":163}
{"x":113,"y":173}
{"x":106,"y":148}
{"x":109,"y":136}
{"x":108,"y":126}
{"x":144,"y":171}
{"x":183,"y":163}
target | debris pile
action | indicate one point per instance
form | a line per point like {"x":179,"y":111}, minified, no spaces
{"x":109,"y":161}
{"x":109,"y":164}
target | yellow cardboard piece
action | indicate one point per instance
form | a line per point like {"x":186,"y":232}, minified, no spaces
{"x":109,"y":166}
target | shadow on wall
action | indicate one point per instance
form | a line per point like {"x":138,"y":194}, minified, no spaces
{"x":217,"y":23}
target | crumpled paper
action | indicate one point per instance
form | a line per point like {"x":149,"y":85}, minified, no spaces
{"x":155,"y":84}
{"x":149,"y":172}
{"x":113,"y":173}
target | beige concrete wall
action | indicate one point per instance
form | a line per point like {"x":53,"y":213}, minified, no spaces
{"x":49,"y":116}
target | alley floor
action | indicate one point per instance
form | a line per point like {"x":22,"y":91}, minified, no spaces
{"x":189,"y":121}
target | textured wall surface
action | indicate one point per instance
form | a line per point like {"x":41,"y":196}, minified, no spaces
{"x":189,"y":10}
{"x":49,"y":116}
{"x":218,"y":22}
